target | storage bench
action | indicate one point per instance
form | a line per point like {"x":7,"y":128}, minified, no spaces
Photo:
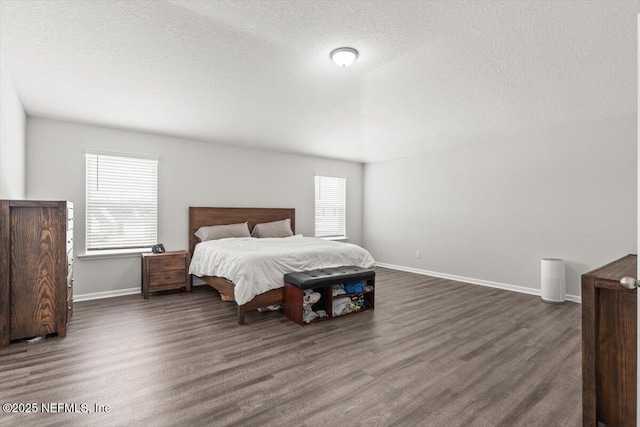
{"x":322,"y":281}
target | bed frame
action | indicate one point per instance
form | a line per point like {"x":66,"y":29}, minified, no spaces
{"x":199,"y":217}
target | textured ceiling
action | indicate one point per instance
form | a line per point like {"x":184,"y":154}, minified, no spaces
{"x":431,"y":74}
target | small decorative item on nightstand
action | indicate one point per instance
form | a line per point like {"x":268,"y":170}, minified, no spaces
{"x":158,"y":249}
{"x":167,"y":270}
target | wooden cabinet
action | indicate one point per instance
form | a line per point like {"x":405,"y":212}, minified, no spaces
{"x":609,"y":345}
{"x":36,"y":268}
{"x":169,"y":270}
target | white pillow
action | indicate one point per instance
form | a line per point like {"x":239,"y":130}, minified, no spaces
{"x":215,"y":232}
{"x":273,"y":229}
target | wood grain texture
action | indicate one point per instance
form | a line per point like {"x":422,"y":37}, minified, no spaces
{"x":167,"y":261}
{"x":202,"y":216}
{"x":64,"y":302}
{"x":588,"y":351}
{"x":616,"y":358}
{"x":226,"y":290}
{"x":171,"y":277}
{"x":272,"y":297}
{"x":167,"y":270}
{"x":433,"y":353}
{"x":37,"y":255}
{"x":609,"y":345}
{"x":5,"y":274}
{"x":35,"y":203}
{"x":616,"y":270}
{"x":35,"y":267}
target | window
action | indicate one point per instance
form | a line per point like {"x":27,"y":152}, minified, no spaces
{"x":122,"y":202}
{"x":330,"y":206}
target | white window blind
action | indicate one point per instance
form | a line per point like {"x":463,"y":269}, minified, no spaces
{"x":330,"y":206}
{"x":122,"y":202}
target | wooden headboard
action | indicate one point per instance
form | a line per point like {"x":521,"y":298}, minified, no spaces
{"x":200,"y":217}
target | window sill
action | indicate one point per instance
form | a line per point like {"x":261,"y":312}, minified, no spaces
{"x":118,"y":253}
{"x":337,"y":238}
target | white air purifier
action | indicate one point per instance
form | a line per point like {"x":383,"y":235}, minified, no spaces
{"x":553,"y":280}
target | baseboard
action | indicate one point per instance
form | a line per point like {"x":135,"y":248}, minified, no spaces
{"x":106,"y":294}
{"x":488,"y":283}
{"x":117,"y":293}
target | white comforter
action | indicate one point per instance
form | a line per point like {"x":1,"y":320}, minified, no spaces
{"x":256,"y":266}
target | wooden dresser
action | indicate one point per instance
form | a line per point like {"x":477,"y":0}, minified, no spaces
{"x":36,"y":268}
{"x":609,"y":345}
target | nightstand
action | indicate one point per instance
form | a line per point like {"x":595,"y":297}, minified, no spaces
{"x":168,"y":270}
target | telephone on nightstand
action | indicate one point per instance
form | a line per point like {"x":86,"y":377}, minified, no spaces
{"x":158,"y":249}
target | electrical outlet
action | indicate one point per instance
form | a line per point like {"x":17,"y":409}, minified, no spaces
{"x":418,"y":254}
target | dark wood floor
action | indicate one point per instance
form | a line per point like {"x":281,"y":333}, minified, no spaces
{"x":433,"y":353}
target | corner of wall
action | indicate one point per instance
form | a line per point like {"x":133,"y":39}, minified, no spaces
{"x":12,"y":138}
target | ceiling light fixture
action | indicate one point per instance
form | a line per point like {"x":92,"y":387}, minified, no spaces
{"x":343,"y":56}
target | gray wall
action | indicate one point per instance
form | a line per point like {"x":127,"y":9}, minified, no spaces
{"x":190,"y":173}
{"x":486,"y":212}
{"x":490,"y":211}
{"x":12,"y":138}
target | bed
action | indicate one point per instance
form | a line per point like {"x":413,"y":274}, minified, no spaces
{"x":250,"y":271}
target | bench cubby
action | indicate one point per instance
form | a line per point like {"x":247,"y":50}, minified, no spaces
{"x":322,"y":281}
